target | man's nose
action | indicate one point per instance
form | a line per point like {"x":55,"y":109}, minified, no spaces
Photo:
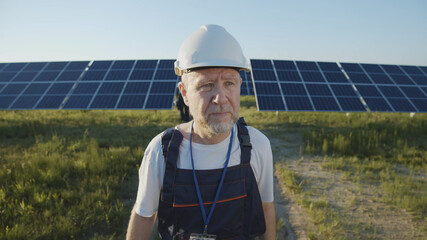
{"x":220,"y":96}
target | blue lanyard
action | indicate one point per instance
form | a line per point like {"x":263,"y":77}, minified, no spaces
{"x":199,"y":196}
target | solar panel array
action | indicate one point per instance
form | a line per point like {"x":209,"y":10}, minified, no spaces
{"x":327,"y":86}
{"x":279,"y":85}
{"x":124,"y":84}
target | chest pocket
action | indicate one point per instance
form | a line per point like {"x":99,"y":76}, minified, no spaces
{"x":227,"y":218}
{"x":186,"y":196}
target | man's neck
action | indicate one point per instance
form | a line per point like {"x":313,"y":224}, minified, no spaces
{"x":202,"y":136}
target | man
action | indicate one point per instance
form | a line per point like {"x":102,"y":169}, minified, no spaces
{"x":211,"y":178}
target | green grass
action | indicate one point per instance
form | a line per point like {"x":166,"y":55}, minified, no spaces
{"x":73,"y":174}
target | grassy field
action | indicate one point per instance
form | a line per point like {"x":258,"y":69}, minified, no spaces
{"x":73,"y":174}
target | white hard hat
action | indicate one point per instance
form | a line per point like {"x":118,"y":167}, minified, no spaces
{"x":210,"y":46}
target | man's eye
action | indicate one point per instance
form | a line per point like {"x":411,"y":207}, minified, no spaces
{"x":207,"y":85}
{"x":229,"y":83}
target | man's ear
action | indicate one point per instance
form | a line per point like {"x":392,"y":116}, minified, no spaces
{"x":183,"y":91}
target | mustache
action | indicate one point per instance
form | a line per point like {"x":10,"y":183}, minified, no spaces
{"x":219,"y":109}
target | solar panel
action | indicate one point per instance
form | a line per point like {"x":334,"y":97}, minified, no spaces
{"x":60,"y":88}
{"x":246,"y":88}
{"x":24,"y":77}
{"x":267,"y":88}
{"x":79,"y":65}
{"x":132,"y":102}
{"x":419,"y":79}
{"x":401,"y":105}
{"x":146,"y":64}
{"x":413,"y":92}
{"x":265,"y":75}
{"x":401,"y":79}
{"x":270,"y":103}
{"x":280,"y":85}
{"x":312,"y":77}
{"x":162,"y":74}
{"x":298,"y":103}
{"x":392,"y":69}
{"x":377,"y":104}
{"x":14,"y":66}
{"x":100,"y":65}
{"x":421,"y":104}
{"x":411,"y":69}
{"x":137,"y":88}
{"x":78,"y":102}
{"x":284,"y":65}
{"x":142,"y":74}
{"x":343,"y":90}
{"x":118,"y":75}
{"x":25,"y":102}
{"x":123,"y":64}
{"x":318,"y":90}
{"x":56,"y":65}
{"x":14,"y":89}
{"x":35,"y":66}
{"x":50,"y":102}
{"x":163,"y":87}
{"x":372,"y":68}
{"x":2,"y":65}
{"x":166,"y":64}
{"x":359,"y":78}
{"x":111,"y":88}
{"x":368,"y":91}
{"x":380,"y":78}
{"x":104,"y":102}
{"x":308,"y":66}
{"x":36,"y":88}
{"x":289,"y":76}
{"x":351,"y":104}
{"x":69,"y":76}
{"x":351,"y":67}
{"x":261,"y":64}
{"x":159,"y":102}
{"x":7,"y":76}
{"x":47,"y":76}
{"x":293,"y":89}
{"x":86,"y":88}
{"x":329,"y":66}
{"x":325,"y":104}
{"x":391,"y":91}
{"x":337,"y":77}
{"x":94,"y":75}
{"x":5,"y":101}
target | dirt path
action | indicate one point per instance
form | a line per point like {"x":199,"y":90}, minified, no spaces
{"x":364,"y":215}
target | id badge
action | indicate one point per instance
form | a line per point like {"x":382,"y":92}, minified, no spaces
{"x":198,"y":236}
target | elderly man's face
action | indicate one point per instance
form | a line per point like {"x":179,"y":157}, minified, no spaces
{"x":213,"y":97}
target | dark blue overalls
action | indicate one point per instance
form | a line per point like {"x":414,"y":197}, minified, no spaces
{"x":238,"y":213}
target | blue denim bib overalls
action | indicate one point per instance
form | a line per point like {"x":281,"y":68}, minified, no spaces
{"x":238,"y":213}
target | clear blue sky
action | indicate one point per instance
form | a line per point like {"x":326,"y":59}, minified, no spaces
{"x":367,"y":31}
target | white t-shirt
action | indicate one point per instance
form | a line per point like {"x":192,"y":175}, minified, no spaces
{"x":205,"y":157}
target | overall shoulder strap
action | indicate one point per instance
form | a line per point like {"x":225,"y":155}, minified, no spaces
{"x":245,"y":141}
{"x":171,"y":140}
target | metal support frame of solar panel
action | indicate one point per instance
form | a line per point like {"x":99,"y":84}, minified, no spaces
{"x":389,"y":88}
{"x":127,"y":84}
{"x":303,"y":86}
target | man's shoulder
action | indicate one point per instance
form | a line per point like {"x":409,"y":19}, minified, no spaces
{"x":257,"y":137}
{"x":156,"y":142}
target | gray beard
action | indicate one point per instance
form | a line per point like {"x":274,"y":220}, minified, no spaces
{"x":218,"y":128}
